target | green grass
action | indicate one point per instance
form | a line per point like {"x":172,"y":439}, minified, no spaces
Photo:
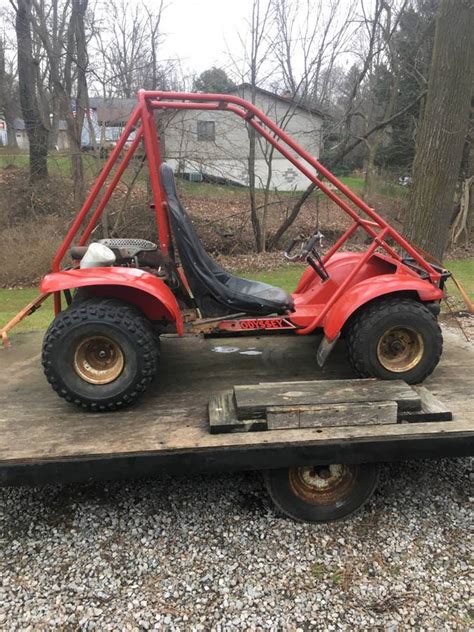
{"x":205,"y":190}
{"x":356,"y":184}
{"x":58,"y":164}
{"x":12,"y":301}
{"x":286,"y":277}
{"x":463,"y":270}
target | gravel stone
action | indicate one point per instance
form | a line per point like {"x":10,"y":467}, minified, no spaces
{"x":211,"y":553}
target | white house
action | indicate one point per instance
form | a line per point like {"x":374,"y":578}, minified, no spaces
{"x":216,"y":143}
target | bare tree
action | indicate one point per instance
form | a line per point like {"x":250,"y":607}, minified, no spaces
{"x":54,"y":18}
{"x":366,"y":37}
{"x":257,"y":49}
{"x":36,"y":126}
{"x":67,"y":68}
{"x":310,"y":37}
{"x":154,"y":36}
{"x":8,"y":95}
{"x":129,"y":45}
{"x":293,"y":47}
{"x":385,"y":61}
{"x":443,"y":128}
{"x":78,"y":55}
{"x":464,"y":220}
{"x":125,"y":48}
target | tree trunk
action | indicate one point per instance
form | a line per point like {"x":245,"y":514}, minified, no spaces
{"x":254,"y":217}
{"x":443,"y":129}
{"x":36,"y":130}
{"x":79,"y":8}
{"x":370,"y":168}
{"x":11,"y":134}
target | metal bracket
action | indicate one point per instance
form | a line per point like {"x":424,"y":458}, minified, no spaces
{"x":324,"y":349}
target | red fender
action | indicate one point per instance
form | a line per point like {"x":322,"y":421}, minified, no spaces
{"x":372,"y":288}
{"x":150,"y":294}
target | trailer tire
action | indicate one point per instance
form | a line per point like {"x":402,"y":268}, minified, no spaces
{"x":321,"y":493}
{"x":395,"y":339}
{"x":100,"y":354}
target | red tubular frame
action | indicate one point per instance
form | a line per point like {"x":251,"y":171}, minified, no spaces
{"x":143,"y":116}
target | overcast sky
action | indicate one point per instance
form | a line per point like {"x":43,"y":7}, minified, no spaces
{"x":197,"y":30}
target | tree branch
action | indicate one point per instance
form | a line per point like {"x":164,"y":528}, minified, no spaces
{"x":334,"y":160}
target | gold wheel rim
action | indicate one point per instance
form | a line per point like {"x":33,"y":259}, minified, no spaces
{"x":322,"y":484}
{"x":98,"y":360}
{"x":400,"y":349}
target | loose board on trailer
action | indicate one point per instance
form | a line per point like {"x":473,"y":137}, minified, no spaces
{"x":322,"y":404}
{"x":45,"y":439}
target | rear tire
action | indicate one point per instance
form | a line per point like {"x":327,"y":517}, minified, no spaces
{"x":100,"y":354}
{"x":321,"y":493}
{"x":395,"y":339}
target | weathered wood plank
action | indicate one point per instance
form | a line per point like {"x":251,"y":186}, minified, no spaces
{"x":187,"y":440}
{"x":332,"y":415}
{"x":223,"y":416}
{"x":432,"y":409}
{"x":252,"y":400}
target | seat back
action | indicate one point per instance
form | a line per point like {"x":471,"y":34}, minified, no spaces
{"x":216,"y":291}
{"x":205,"y":277}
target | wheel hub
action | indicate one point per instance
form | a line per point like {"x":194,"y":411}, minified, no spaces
{"x":98,"y":360}
{"x":400,"y":349}
{"x":322,"y":484}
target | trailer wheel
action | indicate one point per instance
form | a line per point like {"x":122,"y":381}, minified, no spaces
{"x":100,"y":354}
{"x":395,"y":339}
{"x":321,"y":493}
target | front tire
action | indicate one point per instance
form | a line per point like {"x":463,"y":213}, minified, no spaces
{"x":321,"y":493}
{"x":100,"y":354}
{"x":395,"y":339}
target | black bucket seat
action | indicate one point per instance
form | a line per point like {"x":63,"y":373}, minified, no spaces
{"x":216,"y":291}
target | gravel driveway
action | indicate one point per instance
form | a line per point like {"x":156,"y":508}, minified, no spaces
{"x":209,"y":552}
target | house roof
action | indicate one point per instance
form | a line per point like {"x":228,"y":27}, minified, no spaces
{"x":113,"y":110}
{"x":116,"y":111}
{"x":278,"y":97}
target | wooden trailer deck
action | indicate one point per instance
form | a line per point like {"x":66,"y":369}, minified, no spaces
{"x":44,"y":439}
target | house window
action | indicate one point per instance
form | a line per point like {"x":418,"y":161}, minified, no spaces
{"x":206,"y":130}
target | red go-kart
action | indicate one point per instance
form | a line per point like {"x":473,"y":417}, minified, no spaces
{"x":101,"y":351}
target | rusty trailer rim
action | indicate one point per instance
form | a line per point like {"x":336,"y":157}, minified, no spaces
{"x":400,"y":349}
{"x":98,"y":360}
{"x":323,"y":484}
